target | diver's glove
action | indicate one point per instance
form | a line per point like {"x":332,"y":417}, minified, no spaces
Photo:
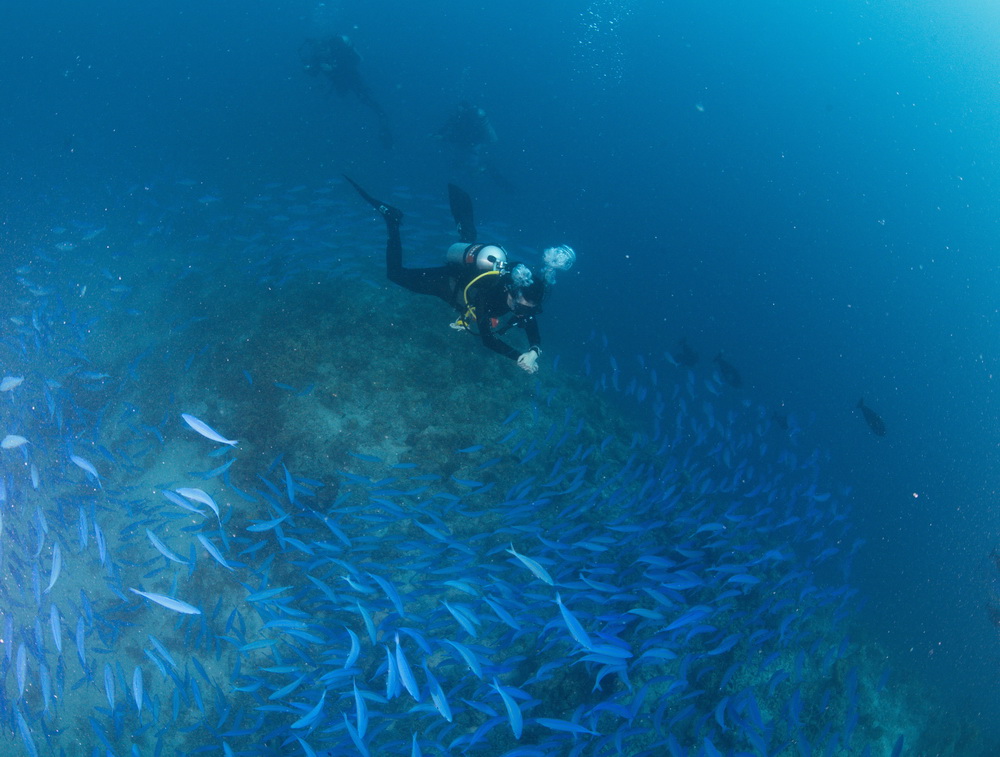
{"x":529,"y":361}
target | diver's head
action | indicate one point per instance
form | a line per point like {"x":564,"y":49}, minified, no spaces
{"x":525,"y":290}
{"x":523,"y":303}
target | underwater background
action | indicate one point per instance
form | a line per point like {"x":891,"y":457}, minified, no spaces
{"x":419,"y":548}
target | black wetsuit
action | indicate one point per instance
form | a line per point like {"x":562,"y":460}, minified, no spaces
{"x":488,"y":296}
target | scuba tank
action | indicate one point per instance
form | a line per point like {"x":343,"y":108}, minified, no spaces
{"x":482,"y":260}
{"x":482,"y":257}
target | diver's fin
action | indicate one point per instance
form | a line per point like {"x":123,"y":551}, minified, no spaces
{"x":461,"y":211}
{"x":391,"y":214}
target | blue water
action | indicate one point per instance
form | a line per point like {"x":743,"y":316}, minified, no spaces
{"x":805,"y":189}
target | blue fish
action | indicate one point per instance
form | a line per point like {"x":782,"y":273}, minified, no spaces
{"x":532,"y":565}
{"x":437,"y":695}
{"x":352,"y":656}
{"x":361,"y":711}
{"x":87,"y":466}
{"x":163,"y":549}
{"x":468,"y":656}
{"x":268,"y":525}
{"x":207,"y":431}
{"x":513,"y":711}
{"x":286,"y":690}
{"x":137,"y":688}
{"x":897,"y":748}
{"x":576,"y":630}
{"x":214,"y":552}
{"x":355,"y":737}
{"x":462,"y":619}
{"x":22,"y":668}
{"x":164,"y":601}
{"x":109,"y":685}
{"x":81,"y":652}
{"x":56,"y":627}
{"x":369,"y":623}
{"x":25,"y":732}
{"x":391,"y":592}
{"x":728,"y":643}
{"x":392,"y":685}
{"x":310,"y":717}
{"x":566,"y":726}
{"x":406,"y":672}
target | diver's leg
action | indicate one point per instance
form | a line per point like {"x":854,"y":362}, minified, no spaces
{"x":384,"y":132}
{"x":461,"y":211}
{"x":434,"y":281}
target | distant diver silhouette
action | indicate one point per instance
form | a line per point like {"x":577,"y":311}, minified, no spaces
{"x":873,"y":419}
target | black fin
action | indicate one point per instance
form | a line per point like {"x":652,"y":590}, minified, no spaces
{"x":391,"y":214}
{"x":461,"y":211}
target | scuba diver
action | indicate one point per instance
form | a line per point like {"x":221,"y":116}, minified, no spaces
{"x":469,"y":132}
{"x":335,"y":57}
{"x":490,"y":293}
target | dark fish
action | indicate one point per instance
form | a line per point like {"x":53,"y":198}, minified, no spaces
{"x":897,"y":749}
{"x":728,"y":372}
{"x":683,"y":354}
{"x":874,"y":421}
{"x":994,"y":615}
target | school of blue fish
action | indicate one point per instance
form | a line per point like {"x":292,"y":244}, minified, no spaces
{"x":625,"y":559}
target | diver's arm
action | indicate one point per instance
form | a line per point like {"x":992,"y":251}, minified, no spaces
{"x":534,"y":337}
{"x":493,"y":342}
{"x":528,"y":361}
{"x":490,"y":339}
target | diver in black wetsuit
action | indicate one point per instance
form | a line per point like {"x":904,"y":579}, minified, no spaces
{"x":336,"y":58}
{"x":490,"y":294}
{"x":470,"y":133}
{"x":468,"y":128}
